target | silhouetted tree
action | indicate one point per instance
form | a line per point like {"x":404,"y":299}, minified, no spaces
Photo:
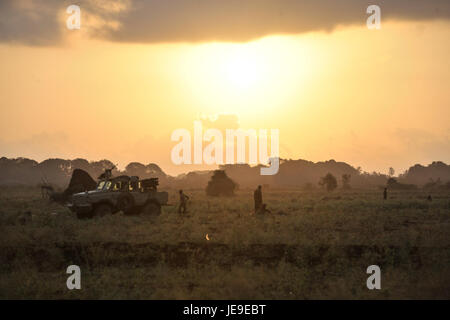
{"x":346,"y":181}
{"x":135,"y":169}
{"x":329,"y":182}
{"x":391,"y":172}
{"x":393,"y":184}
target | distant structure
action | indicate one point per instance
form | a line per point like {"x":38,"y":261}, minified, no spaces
{"x":220,"y":185}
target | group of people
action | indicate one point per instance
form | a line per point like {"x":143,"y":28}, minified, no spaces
{"x":260,"y":207}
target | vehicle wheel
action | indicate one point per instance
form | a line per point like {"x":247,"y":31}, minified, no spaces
{"x":102,"y":210}
{"x":125,"y":204}
{"x":151,"y":209}
{"x":133,"y":211}
{"x":85,"y":215}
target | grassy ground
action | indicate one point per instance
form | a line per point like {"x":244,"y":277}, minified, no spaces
{"x":312,"y":245}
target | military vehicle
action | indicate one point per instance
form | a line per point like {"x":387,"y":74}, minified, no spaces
{"x":130,"y":195}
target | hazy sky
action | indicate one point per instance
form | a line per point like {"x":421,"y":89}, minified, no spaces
{"x":138,"y":70}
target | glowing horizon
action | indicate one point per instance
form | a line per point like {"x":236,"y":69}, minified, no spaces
{"x":373,"y":99}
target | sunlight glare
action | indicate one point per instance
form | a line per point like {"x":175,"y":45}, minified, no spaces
{"x":243,"y":69}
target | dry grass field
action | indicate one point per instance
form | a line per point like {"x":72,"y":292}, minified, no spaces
{"x":313,"y":245}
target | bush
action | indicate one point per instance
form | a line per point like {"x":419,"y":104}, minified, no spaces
{"x":329,"y":182}
{"x":220,"y":185}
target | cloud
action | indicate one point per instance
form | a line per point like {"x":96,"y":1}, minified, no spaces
{"x":43,"y":22}
{"x":33,"y":22}
{"x":238,"y":20}
{"x":155,"y":21}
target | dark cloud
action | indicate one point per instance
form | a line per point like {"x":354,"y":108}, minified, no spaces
{"x":43,"y":22}
{"x":33,"y":22}
{"x":150,"y":21}
{"x":238,"y":20}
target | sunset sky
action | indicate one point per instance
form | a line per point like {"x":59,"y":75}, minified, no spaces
{"x":138,"y":70}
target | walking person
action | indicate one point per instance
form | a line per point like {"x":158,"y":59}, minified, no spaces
{"x":183,"y":202}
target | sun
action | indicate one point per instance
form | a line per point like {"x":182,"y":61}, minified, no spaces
{"x":242,"y":78}
{"x":243,"y":70}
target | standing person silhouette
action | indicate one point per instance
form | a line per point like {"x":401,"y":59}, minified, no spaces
{"x":385,"y":194}
{"x":257,"y":196}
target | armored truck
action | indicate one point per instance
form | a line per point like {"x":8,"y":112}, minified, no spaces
{"x":130,"y":195}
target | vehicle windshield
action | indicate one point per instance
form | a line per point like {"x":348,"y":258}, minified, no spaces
{"x":107,"y":185}
{"x":100,"y":185}
{"x":104,"y":185}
